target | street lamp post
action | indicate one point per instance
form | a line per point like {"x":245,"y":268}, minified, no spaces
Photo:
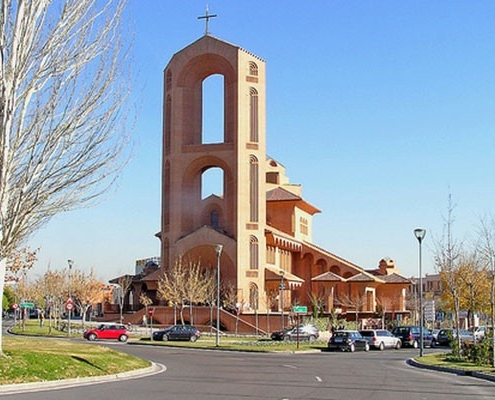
{"x":420,"y":234}
{"x":69,"y":300}
{"x":282,"y":287}
{"x":218,"y":250}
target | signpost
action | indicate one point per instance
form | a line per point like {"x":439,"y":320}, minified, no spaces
{"x":299,"y":310}
{"x":69,"y":306}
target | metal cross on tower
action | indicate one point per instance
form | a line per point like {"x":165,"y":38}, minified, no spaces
{"x":207,"y":17}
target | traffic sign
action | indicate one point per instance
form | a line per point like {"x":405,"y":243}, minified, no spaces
{"x":15,"y":306}
{"x":151,"y":311}
{"x":27,"y":305}
{"x":300,"y":309}
{"x":69,"y":306}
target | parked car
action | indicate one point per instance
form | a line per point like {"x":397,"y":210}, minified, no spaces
{"x":381,"y":339}
{"x":301,"y":332}
{"x":482,"y":332}
{"x":178,"y":332}
{"x":347,"y":340}
{"x":107,"y":331}
{"x":410,"y":336}
{"x":445,"y":336}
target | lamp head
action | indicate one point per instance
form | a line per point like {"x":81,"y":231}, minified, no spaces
{"x":420,"y":233}
{"x":218,"y":249}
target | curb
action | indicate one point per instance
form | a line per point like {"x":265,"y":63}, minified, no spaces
{"x":480,"y":375}
{"x":50,"y":385}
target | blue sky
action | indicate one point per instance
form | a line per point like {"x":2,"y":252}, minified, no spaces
{"x":379,"y":109}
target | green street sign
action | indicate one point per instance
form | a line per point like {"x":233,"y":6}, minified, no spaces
{"x":300,"y":309}
{"x":26,"y":305}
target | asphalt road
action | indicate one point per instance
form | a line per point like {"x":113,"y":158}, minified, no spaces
{"x":221,"y":375}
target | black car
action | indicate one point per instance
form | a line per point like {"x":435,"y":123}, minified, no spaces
{"x":178,"y":332}
{"x":446,"y":336}
{"x":347,"y":340}
{"x":301,"y":332}
{"x":410,"y":336}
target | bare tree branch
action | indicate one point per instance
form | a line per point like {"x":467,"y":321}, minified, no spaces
{"x":64,"y":84}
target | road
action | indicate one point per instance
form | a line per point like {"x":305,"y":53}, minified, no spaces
{"x":221,"y":375}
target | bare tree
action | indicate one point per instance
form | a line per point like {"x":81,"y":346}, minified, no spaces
{"x":185,"y":282}
{"x":487,"y":251}
{"x":63,"y":133}
{"x":447,"y":257}
{"x":86,"y":290}
{"x":124,"y":283}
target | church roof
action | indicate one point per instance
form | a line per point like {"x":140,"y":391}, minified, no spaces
{"x":363,"y":277}
{"x":328,"y":277}
{"x":392,"y":278}
{"x":281,"y":194}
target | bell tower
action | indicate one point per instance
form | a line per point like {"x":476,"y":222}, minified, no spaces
{"x":192,"y":225}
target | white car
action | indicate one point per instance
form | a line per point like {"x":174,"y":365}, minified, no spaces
{"x":381,"y":339}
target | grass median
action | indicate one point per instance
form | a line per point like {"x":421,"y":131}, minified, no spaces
{"x":35,"y":359}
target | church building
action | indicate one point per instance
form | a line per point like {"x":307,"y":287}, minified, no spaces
{"x":260,"y":218}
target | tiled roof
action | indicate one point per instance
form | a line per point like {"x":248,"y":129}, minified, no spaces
{"x":280,"y":194}
{"x":327,"y":277}
{"x":361,"y":278}
{"x":395,"y":278}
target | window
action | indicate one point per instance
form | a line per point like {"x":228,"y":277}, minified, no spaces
{"x":214,"y":219}
{"x":253,"y":68}
{"x":213,"y":109}
{"x":253,"y":115}
{"x":253,"y":189}
{"x":253,"y":252}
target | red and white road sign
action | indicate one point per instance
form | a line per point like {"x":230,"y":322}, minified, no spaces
{"x":15,"y":306}
{"x":69,"y":304}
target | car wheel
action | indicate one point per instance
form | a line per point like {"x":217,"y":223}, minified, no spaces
{"x":432,"y":344}
{"x":122,"y":338}
{"x":367,"y":346}
{"x":193,"y":338}
{"x":382,"y":346}
{"x":312,"y":338}
{"x":352,"y":348}
{"x":415,"y":344}
{"x":165,"y":338}
{"x":398,"y":345}
{"x":92,"y":337}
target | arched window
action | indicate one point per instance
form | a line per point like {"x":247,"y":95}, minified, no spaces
{"x":253,"y":115}
{"x":212,"y":182}
{"x":253,"y":252}
{"x":213,"y":109}
{"x":253,"y":296}
{"x":168,"y":80}
{"x":166,"y":206}
{"x":253,"y":68}
{"x":214,"y":219}
{"x":168,"y":122}
{"x":253,"y":189}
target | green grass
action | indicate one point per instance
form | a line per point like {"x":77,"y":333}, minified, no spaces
{"x":34,"y":359}
{"x":241,"y":343}
{"x":446,"y":360}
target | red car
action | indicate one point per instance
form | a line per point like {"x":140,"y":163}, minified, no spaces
{"x":107,"y":331}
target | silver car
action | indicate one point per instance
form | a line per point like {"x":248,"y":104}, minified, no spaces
{"x":381,"y":339}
